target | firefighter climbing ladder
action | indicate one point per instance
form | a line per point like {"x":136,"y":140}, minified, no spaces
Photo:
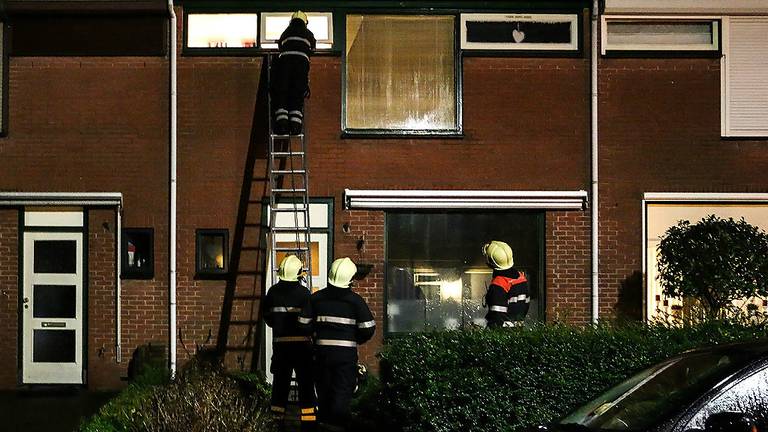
{"x":287,"y":169}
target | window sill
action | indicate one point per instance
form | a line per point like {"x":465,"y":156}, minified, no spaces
{"x":400,"y":134}
{"x":245,"y":52}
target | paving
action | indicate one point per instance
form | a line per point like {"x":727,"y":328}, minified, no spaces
{"x":53,"y":410}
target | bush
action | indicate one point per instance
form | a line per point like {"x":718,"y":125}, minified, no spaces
{"x":504,"y":379}
{"x":202,"y":398}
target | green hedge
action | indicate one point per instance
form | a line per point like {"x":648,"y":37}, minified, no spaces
{"x":484,"y":380}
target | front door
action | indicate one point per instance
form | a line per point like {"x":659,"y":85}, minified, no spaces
{"x":52,"y":308}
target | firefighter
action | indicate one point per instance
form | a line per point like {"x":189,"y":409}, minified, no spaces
{"x":291,"y":343}
{"x":507,"y":296}
{"x":341,"y":321}
{"x":291,"y":75}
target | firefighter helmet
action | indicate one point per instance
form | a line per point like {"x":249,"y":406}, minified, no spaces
{"x":341,"y":273}
{"x":290,"y":268}
{"x":498,"y":255}
{"x":300,"y":15}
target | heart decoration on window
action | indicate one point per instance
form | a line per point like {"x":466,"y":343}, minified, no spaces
{"x":518,"y":36}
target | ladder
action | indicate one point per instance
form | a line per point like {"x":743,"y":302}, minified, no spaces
{"x":288,"y":174}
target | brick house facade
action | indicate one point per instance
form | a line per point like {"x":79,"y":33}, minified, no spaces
{"x":98,"y":122}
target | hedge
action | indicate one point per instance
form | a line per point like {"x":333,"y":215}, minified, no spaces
{"x":502,"y":380}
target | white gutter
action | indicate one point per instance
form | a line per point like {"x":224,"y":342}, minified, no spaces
{"x":741,"y":197}
{"x":172,"y":228}
{"x":118,"y":288}
{"x":594,"y":163}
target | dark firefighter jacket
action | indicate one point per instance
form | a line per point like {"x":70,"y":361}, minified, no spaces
{"x":341,"y":320}
{"x":297,"y":40}
{"x":507,"y":298}
{"x":282,"y":307}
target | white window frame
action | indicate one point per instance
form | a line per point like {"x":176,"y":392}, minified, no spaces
{"x":322,"y":44}
{"x":650,"y":198}
{"x":605,"y":47}
{"x":725,"y":101}
{"x":573,"y":19}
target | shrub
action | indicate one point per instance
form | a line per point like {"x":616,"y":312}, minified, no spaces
{"x":501,"y":380}
{"x":714,"y":261}
{"x":202,"y":398}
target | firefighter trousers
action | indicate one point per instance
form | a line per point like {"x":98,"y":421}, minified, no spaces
{"x":288,"y":357}
{"x":291,"y":85}
{"x":336,"y":379}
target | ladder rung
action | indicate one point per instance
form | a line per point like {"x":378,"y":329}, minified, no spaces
{"x":286,"y":136}
{"x":291,"y":249}
{"x":289,"y":229}
{"x":297,"y":171}
{"x":302,"y":190}
{"x":296,"y":153}
{"x":291,"y":210}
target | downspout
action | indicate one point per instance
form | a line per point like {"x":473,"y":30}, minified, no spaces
{"x":118,"y":288}
{"x":594,"y":163}
{"x":172,"y":228}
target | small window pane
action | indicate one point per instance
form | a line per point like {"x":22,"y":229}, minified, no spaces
{"x":274,"y":23}
{"x":212,"y":253}
{"x":519,"y":32}
{"x":138,"y":253}
{"x":222,"y":30}
{"x":660,"y":35}
{"x":51,"y":346}
{"x":55,"y":256}
{"x":400,"y":73}
{"x":55,"y":301}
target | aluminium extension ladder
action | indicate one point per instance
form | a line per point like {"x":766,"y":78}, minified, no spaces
{"x":288,"y":173}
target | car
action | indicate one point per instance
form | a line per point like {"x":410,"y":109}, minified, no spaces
{"x":715,"y":389}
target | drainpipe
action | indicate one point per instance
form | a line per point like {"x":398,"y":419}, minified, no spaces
{"x":172,"y":228}
{"x":118,"y":288}
{"x":595,"y":206}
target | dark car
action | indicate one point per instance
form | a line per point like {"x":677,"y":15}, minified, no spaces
{"x":715,"y":389}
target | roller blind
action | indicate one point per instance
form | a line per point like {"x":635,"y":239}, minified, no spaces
{"x":745,"y":83}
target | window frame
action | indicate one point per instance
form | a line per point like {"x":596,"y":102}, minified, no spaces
{"x":4,"y":72}
{"x":262,"y":29}
{"x":660,"y":51}
{"x":258,"y":50}
{"x":214,"y":273}
{"x":144,"y":274}
{"x":541,"y":273}
{"x":457,"y":132}
{"x":573,"y":50}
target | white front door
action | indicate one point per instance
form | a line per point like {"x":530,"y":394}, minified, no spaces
{"x":52,"y":308}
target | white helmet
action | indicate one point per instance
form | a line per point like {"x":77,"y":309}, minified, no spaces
{"x":341,"y":273}
{"x":290,"y":268}
{"x":498,"y":255}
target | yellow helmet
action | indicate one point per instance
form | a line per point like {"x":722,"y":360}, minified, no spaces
{"x":498,"y":255}
{"x":341,"y":273}
{"x":290,"y":268}
{"x":300,"y":15}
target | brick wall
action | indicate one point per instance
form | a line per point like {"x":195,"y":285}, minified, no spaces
{"x":660,"y":132}
{"x":9,"y":296}
{"x":568,"y":282}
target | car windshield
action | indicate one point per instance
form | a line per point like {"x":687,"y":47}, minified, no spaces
{"x":647,"y":398}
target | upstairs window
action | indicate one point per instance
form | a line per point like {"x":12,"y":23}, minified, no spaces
{"x":542,"y":32}
{"x":660,"y":35}
{"x":237,"y":32}
{"x":400,"y":75}
{"x":744,"y":85}
{"x":3,"y":77}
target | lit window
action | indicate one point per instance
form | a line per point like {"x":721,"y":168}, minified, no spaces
{"x":3,"y":98}
{"x":543,"y":32}
{"x":400,"y":74}
{"x":274,"y":23}
{"x":212,"y":257}
{"x":222,"y":30}
{"x":660,"y":35}
{"x":437,"y":277}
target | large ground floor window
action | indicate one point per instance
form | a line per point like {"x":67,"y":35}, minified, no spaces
{"x":436,"y":273}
